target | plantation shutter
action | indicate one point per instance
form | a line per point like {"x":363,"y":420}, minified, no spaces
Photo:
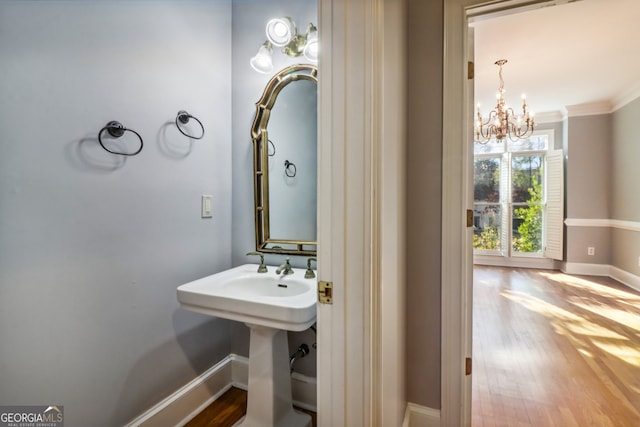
{"x":555,"y":205}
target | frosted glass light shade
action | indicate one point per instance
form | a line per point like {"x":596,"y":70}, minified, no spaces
{"x":262,"y":62}
{"x":311,"y":48}
{"x":280,"y":31}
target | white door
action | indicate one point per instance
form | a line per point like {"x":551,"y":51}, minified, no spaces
{"x":361,"y":216}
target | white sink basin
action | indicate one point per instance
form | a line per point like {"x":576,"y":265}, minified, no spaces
{"x":263,"y":299}
{"x":269,"y":304}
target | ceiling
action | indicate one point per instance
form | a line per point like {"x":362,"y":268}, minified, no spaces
{"x":578,"y":56}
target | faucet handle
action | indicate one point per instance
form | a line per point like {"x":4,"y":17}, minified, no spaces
{"x":309,"y":274}
{"x":262,"y":268}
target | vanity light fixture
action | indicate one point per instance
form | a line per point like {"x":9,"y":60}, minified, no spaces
{"x":311,"y":49}
{"x":282,"y":32}
{"x":502,"y":121}
{"x":262,"y":62}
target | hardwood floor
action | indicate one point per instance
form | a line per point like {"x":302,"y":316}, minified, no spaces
{"x":554,"y":350}
{"x":228,"y":410}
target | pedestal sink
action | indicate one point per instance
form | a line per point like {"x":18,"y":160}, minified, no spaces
{"x":270,"y":305}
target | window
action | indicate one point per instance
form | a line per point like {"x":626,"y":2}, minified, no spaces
{"x":512,"y":204}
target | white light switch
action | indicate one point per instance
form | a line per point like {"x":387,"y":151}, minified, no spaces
{"x":207,"y":206}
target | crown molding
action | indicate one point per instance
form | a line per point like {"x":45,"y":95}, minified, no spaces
{"x":589,"y":109}
{"x":602,"y":107}
{"x":624,"y":98}
{"x":549,"y":117}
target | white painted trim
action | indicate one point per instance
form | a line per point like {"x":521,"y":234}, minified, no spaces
{"x":590,"y":109}
{"x":587,"y":222}
{"x":625,"y":225}
{"x":585,"y":269}
{"x":628,"y":279}
{"x":420,"y":416}
{"x":349,"y":136}
{"x":184,"y":404}
{"x":457,"y":261}
{"x":517,"y":262}
{"x":388,"y":282}
{"x":603,"y":107}
{"x":613,"y":223}
{"x":629,"y":95}
{"x":188,"y":401}
{"x":550,"y":117}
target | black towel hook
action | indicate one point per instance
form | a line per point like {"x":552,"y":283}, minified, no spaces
{"x":116,"y":130}
{"x":290,"y":169}
{"x":184,"y":117}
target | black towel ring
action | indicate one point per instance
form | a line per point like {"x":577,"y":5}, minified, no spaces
{"x":116,"y":130}
{"x":288,"y":166}
{"x":183,"y":117}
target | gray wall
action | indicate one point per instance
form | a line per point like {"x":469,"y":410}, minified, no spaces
{"x":249,"y":20}
{"x":601,"y":180}
{"x":625,"y":153}
{"x":93,"y":245}
{"x":589,"y":160}
{"x":558,"y":129}
{"x":424,"y":195}
{"x":588,"y":191}
{"x":625,"y":176}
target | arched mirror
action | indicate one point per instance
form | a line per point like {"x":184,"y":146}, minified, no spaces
{"x":284,"y":134}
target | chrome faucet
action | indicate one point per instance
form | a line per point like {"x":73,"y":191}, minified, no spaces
{"x":262,"y":268}
{"x":285,"y":268}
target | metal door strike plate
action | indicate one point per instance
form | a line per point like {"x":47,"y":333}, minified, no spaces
{"x":325,"y":292}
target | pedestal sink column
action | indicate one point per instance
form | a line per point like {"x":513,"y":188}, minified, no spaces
{"x":269,"y":396}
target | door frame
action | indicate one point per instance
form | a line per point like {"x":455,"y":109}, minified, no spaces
{"x":457,"y":254}
{"x":361,"y":208}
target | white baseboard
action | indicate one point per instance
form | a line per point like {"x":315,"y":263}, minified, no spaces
{"x":180,"y":407}
{"x":516,"y":262}
{"x":585,"y":269}
{"x":420,"y":416}
{"x":233,"y":371}
{"x":629,"y":279}
{"x":624,"y":277}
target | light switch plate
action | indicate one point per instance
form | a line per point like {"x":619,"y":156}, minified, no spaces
{"x":207,"y":206}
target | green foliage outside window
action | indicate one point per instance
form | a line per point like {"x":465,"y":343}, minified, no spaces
{"x":529,"y":238}
{"x":488,"y":239}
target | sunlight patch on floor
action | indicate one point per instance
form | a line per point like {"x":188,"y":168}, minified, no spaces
{"x":628,"y":353}
{"x":586,"y":284}
{"x":579,"y":328}
{"x":629,"y":320}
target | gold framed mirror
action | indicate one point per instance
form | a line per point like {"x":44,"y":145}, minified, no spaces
{"x":284,"y":134}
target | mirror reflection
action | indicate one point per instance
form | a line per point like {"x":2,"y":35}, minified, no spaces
{"x":285,"y":163}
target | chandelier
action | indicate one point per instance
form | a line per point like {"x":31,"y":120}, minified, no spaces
{"x":502,"y":121}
